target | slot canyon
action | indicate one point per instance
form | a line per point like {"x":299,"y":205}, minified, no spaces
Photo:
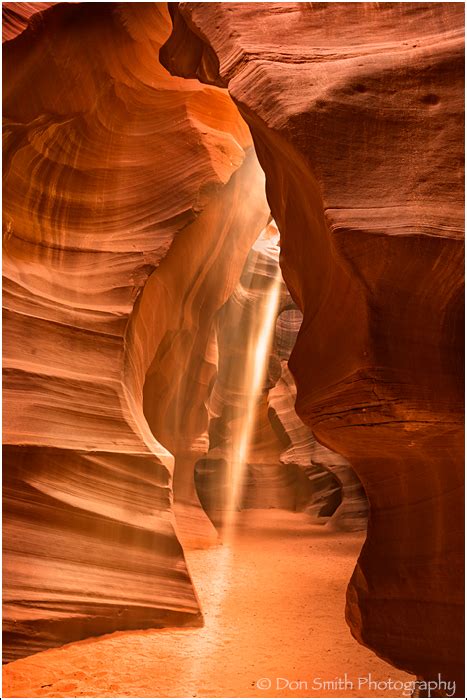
{"x":233,"y":329}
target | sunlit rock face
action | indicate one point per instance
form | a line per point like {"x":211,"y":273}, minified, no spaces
{"x":285,"y":466}
{"x":16,"y":16}
{"x":357,"y":120}
{"x":198,"y":275}
{"x":131,"y":199}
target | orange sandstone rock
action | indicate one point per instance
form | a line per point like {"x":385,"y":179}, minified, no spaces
{"x":131,"y":199}
{"x":356,"y":111}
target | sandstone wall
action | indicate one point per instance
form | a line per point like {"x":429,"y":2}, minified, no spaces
{"x":113,"y":170}
{"x":356,"y":111}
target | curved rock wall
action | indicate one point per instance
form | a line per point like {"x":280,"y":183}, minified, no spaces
{"x":334,"y":495}
{"x":17,"y":15}
{"x":108,"y":161}
{"x":358,"y":123}
{"x":195,"y":279}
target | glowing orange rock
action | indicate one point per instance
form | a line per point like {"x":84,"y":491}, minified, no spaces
{"x":109,"y":160}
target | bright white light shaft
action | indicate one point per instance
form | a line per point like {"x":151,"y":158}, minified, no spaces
{"x":255,"y":370}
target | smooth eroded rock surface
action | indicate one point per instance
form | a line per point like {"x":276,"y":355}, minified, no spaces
{"x":356,"y":111}
{"x":109,"y":161}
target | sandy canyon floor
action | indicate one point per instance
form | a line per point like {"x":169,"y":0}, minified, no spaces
{"x":274,"y":627}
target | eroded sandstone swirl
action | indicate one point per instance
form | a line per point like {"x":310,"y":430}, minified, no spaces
{"x":113,"y":171}
{"x":356,"y":111}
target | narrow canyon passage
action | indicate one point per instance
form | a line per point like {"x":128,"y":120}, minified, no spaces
{"x":233,"y":290}
{"x":273,"y":605}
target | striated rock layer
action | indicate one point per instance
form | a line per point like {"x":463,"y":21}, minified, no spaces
{"x":17,"y":15}
{"x":131,"y":199}
{"x":357,"y":119}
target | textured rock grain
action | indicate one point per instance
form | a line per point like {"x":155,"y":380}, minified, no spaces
{"x":357,"y":120}
{"x":108,"y":161}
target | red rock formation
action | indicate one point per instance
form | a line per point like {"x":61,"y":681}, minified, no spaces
{"x":335,"y":494}
{"x":356,"y":111}
{"x":16,"y":16}
{"x":109,"y":160}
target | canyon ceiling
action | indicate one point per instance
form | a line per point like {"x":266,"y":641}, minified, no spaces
{"x":144,"y":153}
